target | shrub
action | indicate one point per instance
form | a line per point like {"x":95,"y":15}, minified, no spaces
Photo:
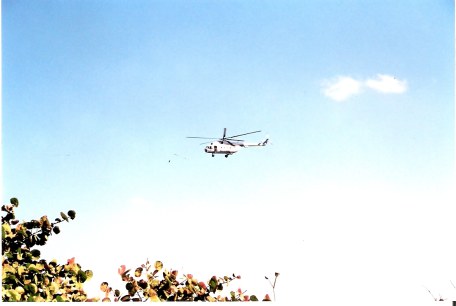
{"x":26,"y":276}
{"x":150,"y":282}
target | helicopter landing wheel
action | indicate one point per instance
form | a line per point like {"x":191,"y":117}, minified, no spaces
{"x":226,"y":155}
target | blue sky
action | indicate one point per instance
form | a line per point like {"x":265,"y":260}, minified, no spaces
{"x":356,"y":97}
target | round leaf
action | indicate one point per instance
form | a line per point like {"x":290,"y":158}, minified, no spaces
{"x":64,"y":217}
{"x":36,"y":253}
{"x":104,"y":286}
{"x":158,"y":265}
{"x":129,"y":286}
{"x":138,"y":272}
{"x":253,"y":298}
{"x":14,"y":202}
{"x":56,"y":230}
{"x":71,"y":214}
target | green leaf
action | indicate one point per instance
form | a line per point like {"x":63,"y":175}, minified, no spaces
{"x":213,"y":285}
{"x":36,"y":254}
{"x":59,"y":298}
{"x":14,"y":201}
{"x":64,"y":217}
{"x":82,"y":276}
{"x":253,"y":298}
{"x":233,"y":295}
{"x":56,"y":230}
{"x":9,"y":279}
{"x":33,"y":268}
{"x":32,"y":288}
{"x":71,"y":214}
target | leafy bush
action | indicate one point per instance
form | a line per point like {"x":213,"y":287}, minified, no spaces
{"x":27,"y":277}
{"x":146,"y":283}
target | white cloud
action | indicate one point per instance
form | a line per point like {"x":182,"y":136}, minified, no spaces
{"x":342,"y":88}
{"x":387,"y":84}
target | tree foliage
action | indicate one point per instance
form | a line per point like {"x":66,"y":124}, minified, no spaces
{"x":27,"y":277}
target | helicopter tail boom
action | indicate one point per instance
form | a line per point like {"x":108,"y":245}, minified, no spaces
{"x":260,"y":144}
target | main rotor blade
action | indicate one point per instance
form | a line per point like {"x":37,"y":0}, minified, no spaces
{"x":243,"y":134}
{"x":232,"y":139}
{"x":224,"y":133}
{"x":202,"y":137}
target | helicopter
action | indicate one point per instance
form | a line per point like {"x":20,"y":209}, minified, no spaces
{"x":229,"y":145}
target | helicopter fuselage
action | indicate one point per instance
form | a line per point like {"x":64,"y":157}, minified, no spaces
{"x":217,"y":147}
